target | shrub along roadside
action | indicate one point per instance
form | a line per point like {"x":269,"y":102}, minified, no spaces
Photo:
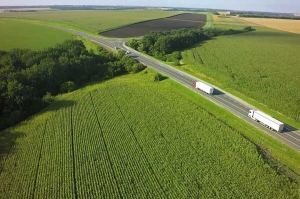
{"x":159,"y":77}
{"x":26,"y":75}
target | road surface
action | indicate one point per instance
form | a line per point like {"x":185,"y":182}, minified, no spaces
{"x":290,"y":136}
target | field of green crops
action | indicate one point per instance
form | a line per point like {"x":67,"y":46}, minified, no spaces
{"x":22,"y":34}
{"x":92,"y":21}
{"x":132,"y":137}
{"x":261,"y":67}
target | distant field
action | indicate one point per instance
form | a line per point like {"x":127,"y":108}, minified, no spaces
{"x":229,"y":22}
{"x":262,"y":65}
{"x":133,"y":138}
{"x":22,"y":34}
{"x":93,"y":21}
{"x":175,"y":22}
{"x":287,"y":25}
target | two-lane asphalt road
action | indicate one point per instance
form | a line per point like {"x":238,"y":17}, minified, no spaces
{"x":235,"y":105}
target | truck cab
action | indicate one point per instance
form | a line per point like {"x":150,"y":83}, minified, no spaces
{"x":250,"y":114}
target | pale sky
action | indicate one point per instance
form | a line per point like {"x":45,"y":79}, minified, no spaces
{"x":292,"y":6}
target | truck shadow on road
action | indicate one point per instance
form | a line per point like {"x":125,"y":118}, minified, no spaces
{"x":218,"y":92}
{"x":288,"y":129}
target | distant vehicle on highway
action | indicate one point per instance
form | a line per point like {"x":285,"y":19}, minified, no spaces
{"x":134,"y":56}
{"x":204,"y":87}
{"x":266,"y":120}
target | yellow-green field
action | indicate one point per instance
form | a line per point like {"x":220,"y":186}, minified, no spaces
{"x":288,"y":25}
{"x":131,"y":137}
{"x":92,"y":21}
{"x":23,"y":34}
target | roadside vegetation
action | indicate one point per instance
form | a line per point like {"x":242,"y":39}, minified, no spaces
{"x":133,"y":137}
{"x":29,"y":78}
{"x":25,"y":34}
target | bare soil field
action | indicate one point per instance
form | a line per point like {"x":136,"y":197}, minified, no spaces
{"x":175,"y":22}
{"x":288,"y":25}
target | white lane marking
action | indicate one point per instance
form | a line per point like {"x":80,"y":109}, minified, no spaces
{"x":295,"y":144}
{"x":224,"y":101}
{"x":292,"y":136}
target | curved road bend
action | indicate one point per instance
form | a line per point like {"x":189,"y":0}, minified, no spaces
{"x":290,"y":136}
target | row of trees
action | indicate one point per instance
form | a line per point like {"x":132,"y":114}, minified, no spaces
{"x":163,"y":44}
{"x":29,"y":78}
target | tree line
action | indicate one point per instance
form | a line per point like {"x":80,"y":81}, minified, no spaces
{"x":29,"y":79}
{"x":165,"y":45}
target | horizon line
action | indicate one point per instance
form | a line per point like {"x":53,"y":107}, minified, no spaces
{"x":139,"y":6}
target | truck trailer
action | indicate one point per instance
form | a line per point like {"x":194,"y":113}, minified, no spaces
{"x":266,"y":120}
{"x":204,"y":87}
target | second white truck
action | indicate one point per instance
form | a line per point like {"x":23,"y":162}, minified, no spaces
{"x":266,"y":120}
{"x":204,"y":87}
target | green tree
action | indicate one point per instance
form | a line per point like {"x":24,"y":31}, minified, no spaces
{"x":159,"y":77}
{"x":68,"y":86}
{"x":15,"y":91}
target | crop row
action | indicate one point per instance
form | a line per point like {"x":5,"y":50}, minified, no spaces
{"x":129,"y":140}
{"x":194,"y":147}
{"x":133,"y":172}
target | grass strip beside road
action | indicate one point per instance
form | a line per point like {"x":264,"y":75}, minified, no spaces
{"x":279,"y":151}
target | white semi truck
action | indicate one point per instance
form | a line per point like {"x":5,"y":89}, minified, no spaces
{"x":266,"y":120}
{"x":204,"y":87}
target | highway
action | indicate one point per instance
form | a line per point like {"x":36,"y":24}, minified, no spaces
{"x":290,"y":136}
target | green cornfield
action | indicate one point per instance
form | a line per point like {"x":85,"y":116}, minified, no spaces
{"x":132,"y":137}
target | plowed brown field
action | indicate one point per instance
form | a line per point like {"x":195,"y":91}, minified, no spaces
{"x":175,"y":22}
